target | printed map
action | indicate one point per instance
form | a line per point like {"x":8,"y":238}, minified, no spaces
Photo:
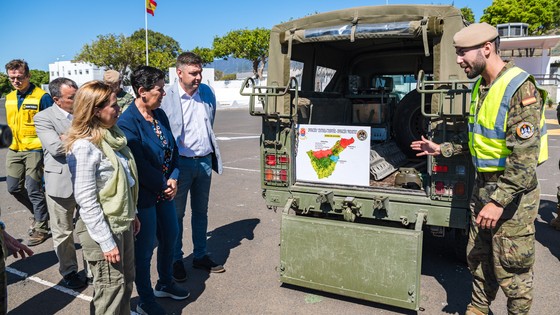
{"x":324,"y":161}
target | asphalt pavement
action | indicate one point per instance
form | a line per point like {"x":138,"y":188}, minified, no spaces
{"x":244,"y":235}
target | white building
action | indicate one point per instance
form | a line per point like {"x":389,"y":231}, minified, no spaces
{"x":532,"y":54}
{"x":77,"y":71}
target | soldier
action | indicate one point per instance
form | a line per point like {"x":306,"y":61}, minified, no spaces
{"x":113,"y":78}
{"x":507,"y":140}
{"x":555,"y":223}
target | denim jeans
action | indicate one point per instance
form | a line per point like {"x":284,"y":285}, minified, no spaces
{"x":195,"y":176}
{"x":158,"y":221}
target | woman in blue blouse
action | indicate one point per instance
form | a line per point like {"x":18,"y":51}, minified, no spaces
{"x":149,"y":137}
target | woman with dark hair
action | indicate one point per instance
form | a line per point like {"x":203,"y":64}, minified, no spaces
{"x":105,"y":184}
{"x":148,"y":133}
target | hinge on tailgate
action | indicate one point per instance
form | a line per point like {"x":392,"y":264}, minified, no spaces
{"x":288,"y":205}
{"x":420,"y":218}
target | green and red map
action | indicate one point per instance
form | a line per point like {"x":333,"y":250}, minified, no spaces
{"x":324,"y":161}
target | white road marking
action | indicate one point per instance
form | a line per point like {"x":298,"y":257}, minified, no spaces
{"x":237,"y":138}
{"x":60,"y":288}
{"x":241,"y":169}
{"x":49,"y":284}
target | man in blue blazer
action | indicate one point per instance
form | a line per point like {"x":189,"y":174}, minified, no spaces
{"x":191,"y":108}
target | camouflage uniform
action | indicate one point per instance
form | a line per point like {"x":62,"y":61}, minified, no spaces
{"x":3,"y":281}
{"x":124,"y":100}
{"x":504,"y":256}
{"x":555,"y":223}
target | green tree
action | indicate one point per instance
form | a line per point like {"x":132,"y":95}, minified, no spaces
{"x":468,"y":14}
{"x":218,"y":74}
{"x":206,"y":54}
{"x":112,"y":52}
{"x":123,"y":53}
{"x":246,"y":44}
{"x":39,"y":77}
{"x":5,"y":86}
{"x":541,"y":15}
{"x":162,"y":49}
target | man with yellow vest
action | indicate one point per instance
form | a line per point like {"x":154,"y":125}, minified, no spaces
{"x":24,"y":161}
{"x":507,"y":140}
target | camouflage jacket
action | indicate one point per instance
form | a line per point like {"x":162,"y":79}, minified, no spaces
{"x":521,"y":165}
{"x":124,"y":100}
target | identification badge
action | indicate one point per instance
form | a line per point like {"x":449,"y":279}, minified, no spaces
{"x":525,"y":130}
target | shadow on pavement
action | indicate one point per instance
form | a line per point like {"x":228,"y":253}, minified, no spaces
{"x":220,"y":243}
{"x":49,"y":300}
{"x":33,"y":265}
{"x":439,"y":261}
{"x":547,"y":235}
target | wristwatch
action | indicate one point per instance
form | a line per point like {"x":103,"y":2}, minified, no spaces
{"x":446,"y":149}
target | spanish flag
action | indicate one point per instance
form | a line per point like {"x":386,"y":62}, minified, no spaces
{"x":151,"y":6}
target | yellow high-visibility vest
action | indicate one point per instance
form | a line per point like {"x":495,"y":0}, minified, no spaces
{"x":21,"y":120}
{"x":487,"y":126}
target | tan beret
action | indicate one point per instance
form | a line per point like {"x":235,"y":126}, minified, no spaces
{"x":474,"y":35}
{"x":111,"y":76}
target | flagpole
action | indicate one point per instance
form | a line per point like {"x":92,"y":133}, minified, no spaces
{"x":146,"y":22}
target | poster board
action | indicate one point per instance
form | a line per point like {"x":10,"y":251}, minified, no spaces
{"x":333,"y":154}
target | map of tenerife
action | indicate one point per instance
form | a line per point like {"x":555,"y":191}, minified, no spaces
{"x":324,"y":161}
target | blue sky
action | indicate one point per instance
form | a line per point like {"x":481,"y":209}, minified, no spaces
{"x":41,"y":31}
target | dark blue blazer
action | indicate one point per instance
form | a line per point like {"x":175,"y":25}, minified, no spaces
{"x":148,"y":152}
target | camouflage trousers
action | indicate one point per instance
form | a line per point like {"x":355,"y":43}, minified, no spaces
{"x":3,"y":280}
{"x":503,"y":257}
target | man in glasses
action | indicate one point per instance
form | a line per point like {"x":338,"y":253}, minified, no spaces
{"x":24,"y":160}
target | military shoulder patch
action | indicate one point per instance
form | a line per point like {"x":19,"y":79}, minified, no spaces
{"x":528,"y":101}
{"x":525,"y":130}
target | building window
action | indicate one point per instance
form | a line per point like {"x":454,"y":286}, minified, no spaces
{"x":87,"y":71}
{"x":75,"y":71}
{"x":80,"y":71}
{"x":69,"y":72}
{"x":52,"y":73}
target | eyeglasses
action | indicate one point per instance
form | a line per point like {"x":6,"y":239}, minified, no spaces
{"x":20,"y":78}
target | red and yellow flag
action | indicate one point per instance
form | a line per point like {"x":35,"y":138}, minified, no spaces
{"x":151,"y":6}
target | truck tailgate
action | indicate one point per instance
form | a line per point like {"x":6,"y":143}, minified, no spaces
{"x":375,"y":263}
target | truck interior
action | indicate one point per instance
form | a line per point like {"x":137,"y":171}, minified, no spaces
{"x":369,"y":82}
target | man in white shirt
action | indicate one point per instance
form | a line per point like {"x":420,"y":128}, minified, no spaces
{"x":191,"y":107}
{"x":51,"y":125}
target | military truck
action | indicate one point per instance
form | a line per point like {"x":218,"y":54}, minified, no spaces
{"x":362,"y":84}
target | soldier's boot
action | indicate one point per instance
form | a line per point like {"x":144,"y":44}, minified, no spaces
{"x":471,"y":310}
{"x":555,"y":223}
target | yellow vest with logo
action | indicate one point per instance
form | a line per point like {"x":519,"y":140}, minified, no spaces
{"x":21,"y":121}
{"x":487,"y":126}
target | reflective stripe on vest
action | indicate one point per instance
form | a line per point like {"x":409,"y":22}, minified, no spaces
{"x":487,"y":127}
{"x":24,"y":136}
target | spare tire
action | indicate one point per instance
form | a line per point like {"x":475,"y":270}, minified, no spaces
{"x":408,"y":122}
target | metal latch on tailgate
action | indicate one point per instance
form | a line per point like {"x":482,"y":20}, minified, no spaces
{"x":325,"y":196}
{"x":351,"y":209}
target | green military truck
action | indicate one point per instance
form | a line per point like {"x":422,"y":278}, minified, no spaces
{"x":347,"y":92}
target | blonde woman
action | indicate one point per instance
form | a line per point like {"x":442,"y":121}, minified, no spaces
{"x":105,"y":183}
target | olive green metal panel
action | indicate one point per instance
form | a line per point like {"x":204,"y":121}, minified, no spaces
{"x":373,"y":263}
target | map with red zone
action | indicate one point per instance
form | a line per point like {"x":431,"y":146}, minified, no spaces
{"x":324,"y":161}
